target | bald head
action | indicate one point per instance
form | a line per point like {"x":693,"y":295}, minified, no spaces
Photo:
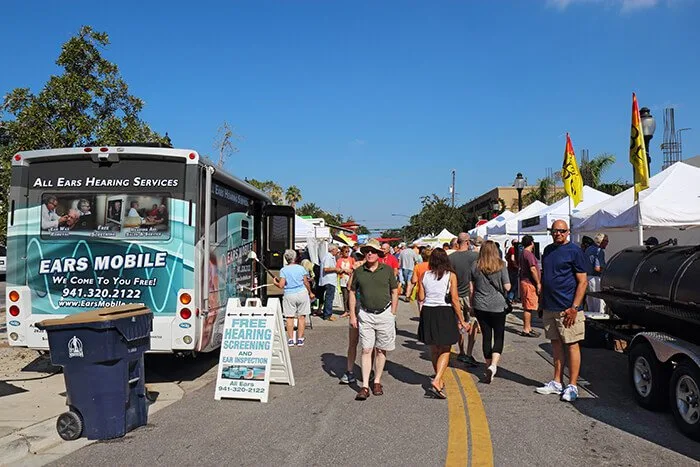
{"x":560,"y":232}
{"x":463,"y":241}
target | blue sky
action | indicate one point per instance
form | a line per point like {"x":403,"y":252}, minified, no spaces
{"x":367,"y":106}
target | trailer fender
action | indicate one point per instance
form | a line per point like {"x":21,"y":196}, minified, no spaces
{"x":667,"y":347}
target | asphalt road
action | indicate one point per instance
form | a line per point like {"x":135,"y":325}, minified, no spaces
{"x":317,"y":422}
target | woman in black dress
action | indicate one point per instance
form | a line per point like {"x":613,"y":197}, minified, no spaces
{"x":441,"y":316}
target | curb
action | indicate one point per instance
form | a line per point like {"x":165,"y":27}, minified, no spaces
{"x":40,"y":444}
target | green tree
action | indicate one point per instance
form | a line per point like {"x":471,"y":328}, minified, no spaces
{"x":293,"y":195}
{"x":87,"y":104}
{"x":592,"y":173}
{"x":436,"y":214}
{"x":545,"y":191}
{"x":270,"y":188}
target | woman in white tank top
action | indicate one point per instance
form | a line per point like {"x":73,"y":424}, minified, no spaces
{"x":441,"y":316}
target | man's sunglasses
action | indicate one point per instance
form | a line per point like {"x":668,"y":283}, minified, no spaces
{"x":559,"y":231}
{"x":370,"y":252}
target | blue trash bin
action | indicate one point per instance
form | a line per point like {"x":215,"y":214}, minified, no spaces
{"x":101,"y":353}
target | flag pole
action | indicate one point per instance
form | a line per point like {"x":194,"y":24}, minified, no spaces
{"x":640,"y":227}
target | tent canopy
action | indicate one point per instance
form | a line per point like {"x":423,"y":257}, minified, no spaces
{"x":445,"y":236}
{"x":480,"y":231}
{"x":560,"y":210}
{"x":510,"y":226}
{"x":672,"y":200}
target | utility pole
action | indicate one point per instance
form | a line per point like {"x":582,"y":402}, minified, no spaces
{"x":452,"y":187}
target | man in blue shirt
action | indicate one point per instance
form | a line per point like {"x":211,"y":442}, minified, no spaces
{"x":563,"y":288}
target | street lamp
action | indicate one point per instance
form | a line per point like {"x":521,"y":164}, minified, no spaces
{"x":648,"y":129}
{"x":519,"y":183}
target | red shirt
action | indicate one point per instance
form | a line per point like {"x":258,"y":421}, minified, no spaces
{"x":512,"y":262}
{"x":390,"y":260}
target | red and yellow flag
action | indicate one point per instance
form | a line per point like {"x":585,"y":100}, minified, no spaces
{"x":638,"y":153}
{"x":570,"y":175}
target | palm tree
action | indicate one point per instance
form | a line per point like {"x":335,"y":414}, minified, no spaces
{"x":293,"y":195}
{"x":545,"y":191}
{"x":592,"y":173}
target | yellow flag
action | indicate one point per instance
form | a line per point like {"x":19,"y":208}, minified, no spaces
{"x":573,"y":182}
{"x":638,"y":154}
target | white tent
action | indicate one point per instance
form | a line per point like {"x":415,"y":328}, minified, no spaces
{"x":445,"y":236}
{"x":670,"y":208}
{"x":510,"y":226}
{"x":542,"y":221}
{"x":480,"y":231}
{"x":304,"y":229}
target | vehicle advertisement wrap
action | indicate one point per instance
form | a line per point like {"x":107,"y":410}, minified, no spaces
{"x":230,"y":271}
{"x":88,"y":236}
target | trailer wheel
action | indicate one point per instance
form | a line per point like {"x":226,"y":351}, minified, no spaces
{"x":648,"y":377}
{"x":685,"y":398}
{"x":69,"y":426}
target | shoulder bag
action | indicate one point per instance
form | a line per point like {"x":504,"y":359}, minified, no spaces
{"x":509,"y":306}
{"x":448,"y":296}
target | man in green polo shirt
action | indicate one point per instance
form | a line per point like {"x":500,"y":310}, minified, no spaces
{"x":375,"y":315}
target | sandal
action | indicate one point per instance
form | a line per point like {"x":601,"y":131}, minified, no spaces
{"x":377,"y":389}
{"x":437,"y":393}
{"x":362,"y":395}
{"x":531,"y":333}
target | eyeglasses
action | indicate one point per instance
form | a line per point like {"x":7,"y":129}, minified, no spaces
{"x":559,"y":231}
{"x":371,"y":252}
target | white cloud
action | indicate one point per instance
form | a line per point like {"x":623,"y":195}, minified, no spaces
{"x":624,"y":5}
{"x":358,"y":142}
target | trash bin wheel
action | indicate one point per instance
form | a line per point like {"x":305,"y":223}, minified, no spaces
{"x":69,"y":426}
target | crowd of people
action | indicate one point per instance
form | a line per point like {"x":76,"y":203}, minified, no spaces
{"x":463,"y":289}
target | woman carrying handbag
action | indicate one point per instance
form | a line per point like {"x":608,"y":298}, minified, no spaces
{"x":441,"y":316}
{"x":489,"y":286}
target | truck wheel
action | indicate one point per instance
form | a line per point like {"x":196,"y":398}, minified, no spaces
{"x":69,"y":426}
{"x":685,"y":398}
{"x":648,"y":377}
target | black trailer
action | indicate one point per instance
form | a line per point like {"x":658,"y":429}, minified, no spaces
{"x":653,"y":300}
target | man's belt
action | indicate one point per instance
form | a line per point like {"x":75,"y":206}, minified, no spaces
{"x":376,"y":311}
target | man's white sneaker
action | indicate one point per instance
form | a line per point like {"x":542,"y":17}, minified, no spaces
{"x":570,"y":393}
{"x":550,"y":388}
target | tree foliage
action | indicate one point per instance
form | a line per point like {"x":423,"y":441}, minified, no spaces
{"x":88,"y":103}
{"x":592,"y":173}
{"x":292,"y":195}
{"x":272,"y":189}
{"x":436,"y":214}
{"x":545,"y":191}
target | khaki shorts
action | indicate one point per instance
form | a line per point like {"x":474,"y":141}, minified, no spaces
{"x":296,"y":305}
{"x":377,"y":330}
{"x":554,"y":327}
{"x":528,"y":296}
{"x":464,"y":302}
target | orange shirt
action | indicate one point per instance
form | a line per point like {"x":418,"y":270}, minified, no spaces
{"x":418,"y":272}
{"x":347,"y":265}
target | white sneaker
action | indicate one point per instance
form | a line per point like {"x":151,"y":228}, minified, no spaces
{"x":570,"y":393}
{"x":490,"y":373}
{"x":550,"y":388}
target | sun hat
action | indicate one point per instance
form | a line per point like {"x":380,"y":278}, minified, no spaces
{"x":372,"y":244}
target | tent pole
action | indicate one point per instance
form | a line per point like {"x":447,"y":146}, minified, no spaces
{"x":571,"y":228}
{"x":640,"y":227}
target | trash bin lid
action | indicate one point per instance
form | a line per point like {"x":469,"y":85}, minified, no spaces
{"x":98,"y":316}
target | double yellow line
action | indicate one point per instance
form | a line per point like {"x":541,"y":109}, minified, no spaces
{"x":469,"y":438}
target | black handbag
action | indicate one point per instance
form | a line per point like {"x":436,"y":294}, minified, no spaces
{"x":509,"y":305}
{"x":448,"y":296}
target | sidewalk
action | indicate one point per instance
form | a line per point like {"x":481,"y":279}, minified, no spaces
{"x":32,"y":395}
